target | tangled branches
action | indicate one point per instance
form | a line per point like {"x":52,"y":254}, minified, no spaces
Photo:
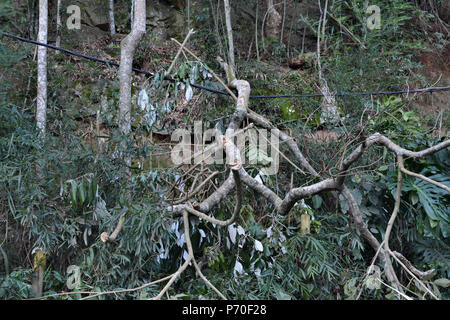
{"x":336,"y":183}
{"x":283,"y":205}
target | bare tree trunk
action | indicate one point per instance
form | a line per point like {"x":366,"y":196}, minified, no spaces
{"x":230,"y":34}
{"x":112,"y":24}
{"x":273,"y":20}
{"x":31,"y":18}
{"x":41,"y":107}
{"x":189,"y":14}
{"x":58,"y":23}
{"x":128,"y":47}
{"x":256,"y":31}
{"x":283,"y":22}
{"x":215,"y":17}
{"x":37,"y":280}
{"x":132,"y":13}
{"x":330,"y":113}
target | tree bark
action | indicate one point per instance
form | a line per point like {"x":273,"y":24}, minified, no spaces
{"x":330,"y":112}
{"x":230,"y":34}
{"x":132,"y":13}
{"x":273,"y":20}
{"x":58,"y":23}
{"x":128,"y":48}
{"x":112,"y":24}
{"x":41,"y":106}
{"x":284,"y":205}
{"x":39,"y":265}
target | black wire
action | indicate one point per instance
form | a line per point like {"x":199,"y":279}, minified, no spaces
{"x":307,"y":95}
{"x":355,"y":93}
{"x":109,"y":63}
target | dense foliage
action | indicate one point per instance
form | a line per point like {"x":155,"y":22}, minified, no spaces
{"x":61,"y":193}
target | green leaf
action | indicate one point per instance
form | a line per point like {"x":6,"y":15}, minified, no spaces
{"x":433,"y":223}
{"x":442,"y":282}
{"x":344,"y":204}
{"x":280,"y":294}
{"x":317,"y":201}
{"x":289,"y":111}
{"x":90,"y":197}
{"x":73,"y":195}
{"x":432,"y":199}
{"x":413,"y":198}
{"x":5,"y":260}
{"x":357,"y":195}
{"x":82,"y":193}
{"x":356,"y":178}
{"x":93,"y":189}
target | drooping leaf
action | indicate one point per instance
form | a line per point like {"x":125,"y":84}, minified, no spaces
{"x":73,"y":195}
{"x":317,"y":201}
{"x":258,"y":246}
{"x":189,"y":93}
{"x":232,"y":230}
{"x":81,"y":194}
{"x":238,"y":268}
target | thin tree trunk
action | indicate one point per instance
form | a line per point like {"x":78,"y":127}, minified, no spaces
{"x":128,"y":48}
{"x":41,"y":118}
{"x":189,"y":14}
{"x":329,"y":112}
{"x":58,"y":23}
{"x":230,"y":34}
{"x":283,"y":21}
{"x":31,"y":7}
{"x":256,"y":31}
{"x":215,"y":17}
{"x":318,"y":42}
{"x":112,"y":24}
{"x":290,"y":33}
{"x":37,"y":280}
{"x":132,"y":13}
{"x":273,"y":20}
{"x":41,"y":107}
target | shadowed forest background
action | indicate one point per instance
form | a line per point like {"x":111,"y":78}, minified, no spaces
{"x":92,"y":210}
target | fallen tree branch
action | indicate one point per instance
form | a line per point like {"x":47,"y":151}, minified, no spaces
{"x":417,"y":175}
{"x":336,"y":183}
{"x":396,"y":290}
{"x":361,"y":225}
{"x":297,"y":194}
{"x":212,"y":72}
{"x":370,"y":268}
{"x":191,"y":32}
{"x":191,"y":253}
{"x":417,"y":272}
{"x":173,"y":278}
{"x":389,"y":269}
{"x":382,"y":140}
{"x":145,"y":285}
{"x":197,"y":189}
{"x":413,"y":275}
{"x":105,"y":237}
{"x":278,"y":150}
{"x":96,"y":294}
{"x":236,"y":211}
